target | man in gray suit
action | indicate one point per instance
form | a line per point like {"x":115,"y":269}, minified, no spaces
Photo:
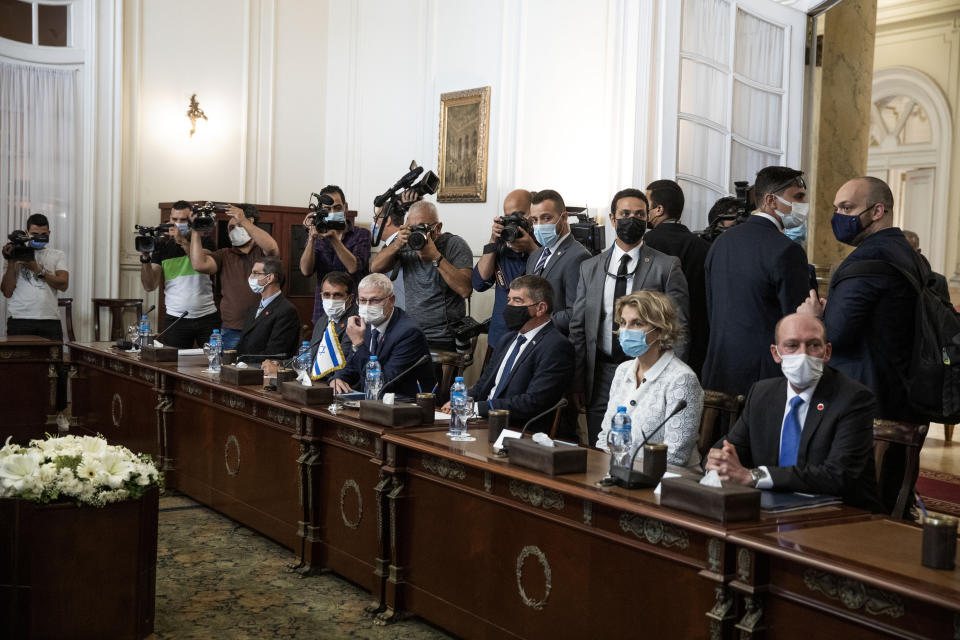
{"x":559,"y":256}
{"x":628,"y":266}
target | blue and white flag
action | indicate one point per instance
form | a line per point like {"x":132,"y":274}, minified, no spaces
{"x":330,"y":356}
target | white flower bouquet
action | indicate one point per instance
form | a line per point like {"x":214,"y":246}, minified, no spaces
{"x":83,"y":469}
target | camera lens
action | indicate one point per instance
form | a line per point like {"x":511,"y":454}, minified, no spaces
{"x":417,"y":240}
{"x":509,"y":234}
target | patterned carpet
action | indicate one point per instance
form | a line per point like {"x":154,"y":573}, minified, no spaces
{"x":940,"y":491}
{"x":218,"y":579}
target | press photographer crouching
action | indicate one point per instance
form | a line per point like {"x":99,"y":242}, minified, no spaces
{"x":33,"y":273}
{"x":188,"y":294}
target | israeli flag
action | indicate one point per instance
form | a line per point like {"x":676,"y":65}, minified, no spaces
{"x":330,"y":356}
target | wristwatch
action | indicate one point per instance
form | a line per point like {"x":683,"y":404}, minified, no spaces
{"x":436,"y":263}
{"x":756,"y":475}
{"x":489,"y":248}
{"x":144,"y":259}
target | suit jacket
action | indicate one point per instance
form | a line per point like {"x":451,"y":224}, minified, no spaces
{"x":675,"y":239}
{"x":836,"y":442}
{"x":655,"y":272}
{"x":341,"y":328}
{"x":870,"y":321}
{"x":401,"y":346}
{"x":755,"y":276}
{"x":538,"y":379}
{"x":562,"y":272}
{"x":275,"y":331}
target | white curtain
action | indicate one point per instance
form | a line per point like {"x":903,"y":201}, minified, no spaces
{"x":38,"y":139}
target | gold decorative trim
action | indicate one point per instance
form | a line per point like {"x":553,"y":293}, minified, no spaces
{"x":744,"y":563}
{"x":534,"y":551}
{"x":854,"y":595}
{"x":192,"y":388}
{"x":226,"y":454}
{"x":353,"y":436}
{"x":234,"y":401}
{"x":488,"y":482}
{"x":588,"y":513}
{"x":476,"y":190}
{"x":444,"y":468}
{"x":750,"y":622}
{"x":714,"y":555}
{"x":116,"y":409}
{"x":351,"y":484}
{"x":536,"y":495}
{"x":281,"y":417}
{"x":654,"y":531}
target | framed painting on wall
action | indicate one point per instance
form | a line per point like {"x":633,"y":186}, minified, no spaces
{"x":464,"y":138}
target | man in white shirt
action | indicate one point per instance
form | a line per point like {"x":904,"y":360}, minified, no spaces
{"x":33,"y":274}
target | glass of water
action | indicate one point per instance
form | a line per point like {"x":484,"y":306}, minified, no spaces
{"x":463,"y":412}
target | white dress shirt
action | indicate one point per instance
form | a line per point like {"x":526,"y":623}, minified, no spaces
{"x":766,"y":482}
{"x":529,"y":335}
{"x":609,"y":288}
{"x":771,"y":218}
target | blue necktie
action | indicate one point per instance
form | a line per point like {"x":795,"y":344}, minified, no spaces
{"x":375,"y":342}
{"x":542,"y":262}
{"x":509,"y":365}
{"x":790,"y":437}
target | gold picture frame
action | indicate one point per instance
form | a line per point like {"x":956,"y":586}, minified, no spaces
{"x":464,"y":139}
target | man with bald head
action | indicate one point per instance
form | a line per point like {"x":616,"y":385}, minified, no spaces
{"x":809,"y":431}
{"x":503,"y":261}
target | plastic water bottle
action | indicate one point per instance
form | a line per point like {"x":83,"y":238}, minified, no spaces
{"x":303,"y":357}
{"x":373,"y":379}
{"x":620,"y":437}
{"x":216,"y":349}
{"x":143,"y":332}
{"x":458,"y":402}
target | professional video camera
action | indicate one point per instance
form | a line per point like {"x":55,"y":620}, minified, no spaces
{"x":393,"y":206}
{"x":744,"y":206}
{"x":205,"y":219}
{"x":466,"y":329}
{"x":146,"y":241}
{"x":514,"y":225}
{"x":586,"y":231}
{"x":21,"y":241}
{"x":320,"y":214}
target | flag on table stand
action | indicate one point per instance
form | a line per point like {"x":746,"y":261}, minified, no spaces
{"x":330,"y":356}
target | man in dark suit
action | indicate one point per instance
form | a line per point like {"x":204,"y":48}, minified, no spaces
{"x":559,"y":256}
{"x":533,"y":362}
{"x":384,"y":330}
{"x":272,"y":327}
{"x":810,"y":432}
{"x":629,"y":265}
{"x":338,"y":306}
{"x":668,"y":235}
{"x":755,"y":275}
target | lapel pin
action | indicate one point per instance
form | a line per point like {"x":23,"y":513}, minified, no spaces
{"x":820,"y":407}
{"x":646,"y":259}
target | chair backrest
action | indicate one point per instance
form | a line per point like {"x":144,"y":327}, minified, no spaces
{"x":117,"y":307}
{"x":452,"y":364}
{"x":67,"y":304}
{"x":720,"y":413}
{"x":911,"y":437}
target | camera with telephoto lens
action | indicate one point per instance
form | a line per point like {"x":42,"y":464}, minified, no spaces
{"x":22,"y":249}
{"x":418,"y":236}
{"x":321,"y":213}
{"x":586,"y":231}
{"x":146,"y":241}
{"x":466,"y":329}
{"x":205,"y":219}
{"x":392,"y":199}
{"x":514,"y":225}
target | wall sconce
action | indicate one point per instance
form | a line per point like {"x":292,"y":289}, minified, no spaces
{"x":194,"y":113}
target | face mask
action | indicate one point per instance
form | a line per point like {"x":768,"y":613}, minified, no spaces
{"x":184,"y":228}
{"x":37,"y":244}
{"x":336,"y":216}
{"x":633,"y":342}
{"x":630,"y":230}
{"x":334,"y":308}
{"x":797,"y":215}
{"x":239,"y":236}
{"x":515,"y":317}
{"x":797,"y":234}
{"x":847,"y":228}
{"x":800,"y":369}
{"x":255,"y":285}
{"x":371,"y":313}
{"x":545,"y":234}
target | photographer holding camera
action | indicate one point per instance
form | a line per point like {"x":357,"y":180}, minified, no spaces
{"x":185,"y":290}
{"x":338,"y":245}
{"x":250,"y":244}
{"x":505,"y":258}
{"x":33,"y":273}
{"x":436,"y":273}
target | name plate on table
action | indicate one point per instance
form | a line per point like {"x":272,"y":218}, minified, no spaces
{"x":556,"y":460}
{"x":401,"y":414}
{"x":159,"y":354}
{"x":723,"y":504}
{"x":231,"y":374}
{"x":317,"y":394}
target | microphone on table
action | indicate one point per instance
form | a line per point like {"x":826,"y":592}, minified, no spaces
{"x":677,"y":409}
{"x":170,"y":326}
{"x":126,"y":345}
{"x":403,"y":374}
{"x":562,"y":403}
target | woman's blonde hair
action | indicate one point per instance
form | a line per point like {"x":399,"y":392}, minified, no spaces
{"x":655,"y":309}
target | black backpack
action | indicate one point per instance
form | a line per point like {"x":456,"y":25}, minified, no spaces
{"x":933,"y":380}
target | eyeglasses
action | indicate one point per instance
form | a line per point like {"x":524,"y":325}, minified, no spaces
{"x":259,"y":274}
{"x":374,"y":301}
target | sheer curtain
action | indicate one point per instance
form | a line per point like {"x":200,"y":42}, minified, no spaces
{"x":38,"y":138}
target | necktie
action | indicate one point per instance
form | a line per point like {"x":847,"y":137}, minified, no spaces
{"x":259,"y":310}
{"x":375,"y":342}
{"x":509,"y":366}
{"x":619,"y":290}
{"x":790,"y":437}
{"x":542,"y":262}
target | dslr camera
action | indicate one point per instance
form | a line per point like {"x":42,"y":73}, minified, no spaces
{"x":418,"y":236}
{"x":205,"y":219}
{"x":514,"y":225}
{"x":146,"y":240}
{"x":392,"y":203}
{"x":22,"y":249}
{"x":320,"y":214}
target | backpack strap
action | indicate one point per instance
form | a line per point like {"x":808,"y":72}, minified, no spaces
{"x":877,"y":267}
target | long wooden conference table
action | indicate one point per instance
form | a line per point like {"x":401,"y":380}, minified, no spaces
{"x":486,"y":549}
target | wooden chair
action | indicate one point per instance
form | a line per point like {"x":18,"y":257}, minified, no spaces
{"x":452,"y":364}
{"x":117,"y":307}
{"x":911,"y":436}
{"x":720,"y":413}
{"x":67,"y":304}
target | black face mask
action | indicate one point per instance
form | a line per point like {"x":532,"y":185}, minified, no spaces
{"x":630,"y":230}
{"x":515,"y":317}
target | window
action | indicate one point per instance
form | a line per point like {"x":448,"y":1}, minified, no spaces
{"x":33,"y":23}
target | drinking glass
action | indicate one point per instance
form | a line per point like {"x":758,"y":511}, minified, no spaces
{"x":463,"y":413}
{"x":207,"y":351}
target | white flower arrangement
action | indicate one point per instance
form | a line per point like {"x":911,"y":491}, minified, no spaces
{"x":83,"y":469}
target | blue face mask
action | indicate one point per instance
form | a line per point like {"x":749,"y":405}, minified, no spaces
{"x":35,"y":244}
{"x":847,"y":228}
{"x":546,"y":234}
{"x":337,"y":216}
{"x":633,"y":342}
{"x":184,"y":228}
{"x":797,"y":234}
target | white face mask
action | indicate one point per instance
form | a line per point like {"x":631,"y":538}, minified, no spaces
{"x":800,"y":369}
{"x":798,"y":213}
{"x":371,"y":313}
{"x":239,"y":236}
{"x":334,"y":308}
{"x":255,"y":285}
